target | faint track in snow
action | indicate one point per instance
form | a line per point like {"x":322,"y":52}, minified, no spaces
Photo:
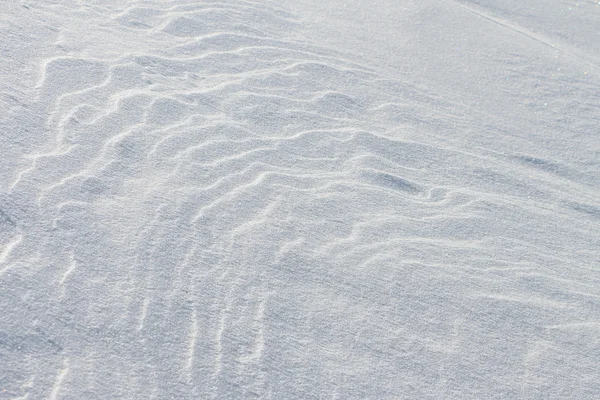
{"x":524,"y":32}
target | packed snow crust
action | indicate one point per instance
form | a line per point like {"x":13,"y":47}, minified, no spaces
{"x":299,"y":199}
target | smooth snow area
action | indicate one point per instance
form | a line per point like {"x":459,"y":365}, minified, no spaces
{"x":299,"y":199}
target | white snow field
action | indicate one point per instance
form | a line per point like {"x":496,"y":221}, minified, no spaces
{"x":299,"y":199}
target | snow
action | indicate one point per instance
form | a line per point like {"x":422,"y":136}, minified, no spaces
{"x":341,"y":199}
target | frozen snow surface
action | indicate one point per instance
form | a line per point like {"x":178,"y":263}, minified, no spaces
{"x":299,"y":199}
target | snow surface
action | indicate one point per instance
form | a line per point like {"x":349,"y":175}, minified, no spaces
{"x":300,"y":199}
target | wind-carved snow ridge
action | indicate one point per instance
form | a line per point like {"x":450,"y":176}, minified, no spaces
{"x":201,"y":201}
